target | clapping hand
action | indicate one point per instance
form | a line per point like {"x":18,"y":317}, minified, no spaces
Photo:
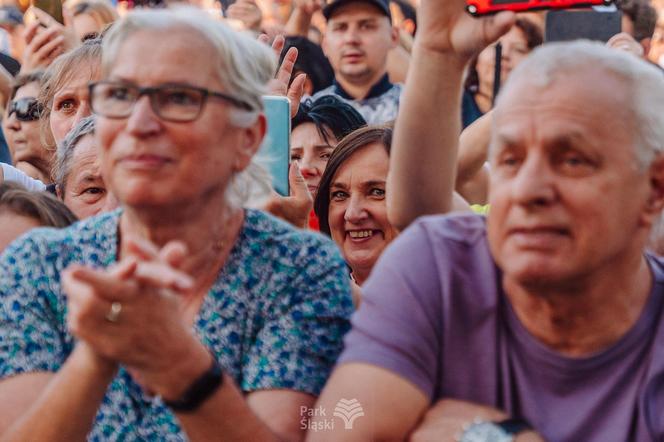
{"x":133,"y":314}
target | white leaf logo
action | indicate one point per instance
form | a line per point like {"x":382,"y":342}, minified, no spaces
{"x":348,"y":411}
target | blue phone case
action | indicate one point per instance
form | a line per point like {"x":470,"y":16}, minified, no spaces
{"x":275,"y":150}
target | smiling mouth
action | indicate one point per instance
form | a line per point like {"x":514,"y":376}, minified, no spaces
{"x":362,"y":235}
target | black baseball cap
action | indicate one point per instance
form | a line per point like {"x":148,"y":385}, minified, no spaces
{"x":333,"y":5}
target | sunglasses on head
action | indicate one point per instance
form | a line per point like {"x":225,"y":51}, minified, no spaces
{"x":26,"y":109}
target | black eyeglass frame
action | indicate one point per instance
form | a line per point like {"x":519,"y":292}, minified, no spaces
{"x":151,"y":92}
{"x":32,"y":113}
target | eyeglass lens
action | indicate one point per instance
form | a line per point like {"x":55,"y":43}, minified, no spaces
{"x":177,"y":103}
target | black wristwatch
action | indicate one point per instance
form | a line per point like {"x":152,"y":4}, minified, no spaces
{"x":200,"y":390}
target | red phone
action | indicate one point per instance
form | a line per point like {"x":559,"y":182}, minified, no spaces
{"x":484,"y":7}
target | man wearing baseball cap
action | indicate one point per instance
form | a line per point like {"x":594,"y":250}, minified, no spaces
{"x":358,"y":37}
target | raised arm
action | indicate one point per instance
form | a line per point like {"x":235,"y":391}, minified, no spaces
{"x":300,"y":19}
{"x":426,"y":139}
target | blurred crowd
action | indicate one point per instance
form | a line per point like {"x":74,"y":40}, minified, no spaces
{"x":469,"y":249}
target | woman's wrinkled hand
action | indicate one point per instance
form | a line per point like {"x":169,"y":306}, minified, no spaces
{"x":133,"y":314}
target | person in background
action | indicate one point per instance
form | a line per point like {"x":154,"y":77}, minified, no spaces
{"x":478,"y":90}
{"x":522,"y":326}
{"x":317,"y":128}
{"x":22,"y":211}
{"x":64,"y":90}
{"x":350,"y":203}
{"x":181,"y":315}
{"x":91,"y":17}
{"x":21,"y":128}
{"x":639,"y":19}
{"x":358,"y":38}
{"x":77,"y":173}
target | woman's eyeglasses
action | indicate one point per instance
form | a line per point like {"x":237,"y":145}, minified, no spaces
{"x":26,"y":109}
{"x":179,"y":103}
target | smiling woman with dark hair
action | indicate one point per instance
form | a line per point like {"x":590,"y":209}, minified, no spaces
{"x":351,"y":202}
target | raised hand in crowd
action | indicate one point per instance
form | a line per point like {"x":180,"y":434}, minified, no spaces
{"x":248,"y":12}
{"x":447,"y":39}
{"x":625,"y":42}
{"x":472,"y":175}
{"x":300,"y":18}
{"x":45,"y":39}
{"x":281,"y":84}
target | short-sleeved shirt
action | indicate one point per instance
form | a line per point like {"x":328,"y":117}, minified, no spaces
{"x":380,"y":106}
{"x":275,"y":317}
{"x":434,"y":312}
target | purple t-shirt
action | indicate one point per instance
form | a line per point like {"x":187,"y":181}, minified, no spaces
{"x":433,"y":312}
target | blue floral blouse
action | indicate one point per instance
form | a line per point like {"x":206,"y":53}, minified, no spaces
{"x":275,"y":317}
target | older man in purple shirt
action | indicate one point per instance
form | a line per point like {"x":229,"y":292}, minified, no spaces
{"x":546,"y":320}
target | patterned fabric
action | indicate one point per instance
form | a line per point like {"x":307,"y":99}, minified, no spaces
{"x":275,"y":317}
{"x":375,"y":110}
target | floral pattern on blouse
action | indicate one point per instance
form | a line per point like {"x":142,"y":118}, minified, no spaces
{"x":275,"y":317}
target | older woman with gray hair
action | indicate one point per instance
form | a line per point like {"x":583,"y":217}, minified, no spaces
{"x":77,"y":173}
{"x":180,"y":316}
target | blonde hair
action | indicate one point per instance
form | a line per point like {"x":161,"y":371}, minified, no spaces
{"x":85,"y":58}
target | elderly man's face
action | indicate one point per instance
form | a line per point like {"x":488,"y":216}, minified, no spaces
{"x":85,"y":192}
{"x":567,"y":197}
{"x":148,"y":161}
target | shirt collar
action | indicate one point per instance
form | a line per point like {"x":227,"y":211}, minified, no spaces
{"x":379,"y":88}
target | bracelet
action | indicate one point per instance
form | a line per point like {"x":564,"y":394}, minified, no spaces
{"x":200,"y":390}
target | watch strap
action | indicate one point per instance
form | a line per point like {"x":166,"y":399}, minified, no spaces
{"x":514,"y":425}
{"x":200,"y":390}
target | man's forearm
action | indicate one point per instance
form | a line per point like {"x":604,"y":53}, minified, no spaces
{"x":298,"y":23}
{"x":67,"y":407}
{"x":423,"y":159}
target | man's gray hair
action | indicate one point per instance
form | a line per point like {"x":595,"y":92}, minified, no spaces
{"x":243,"y":65}
{"x":65,"y":153}
{"x":644,"y":81}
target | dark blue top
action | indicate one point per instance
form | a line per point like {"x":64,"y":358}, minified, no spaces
{"x":469,"y":109}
